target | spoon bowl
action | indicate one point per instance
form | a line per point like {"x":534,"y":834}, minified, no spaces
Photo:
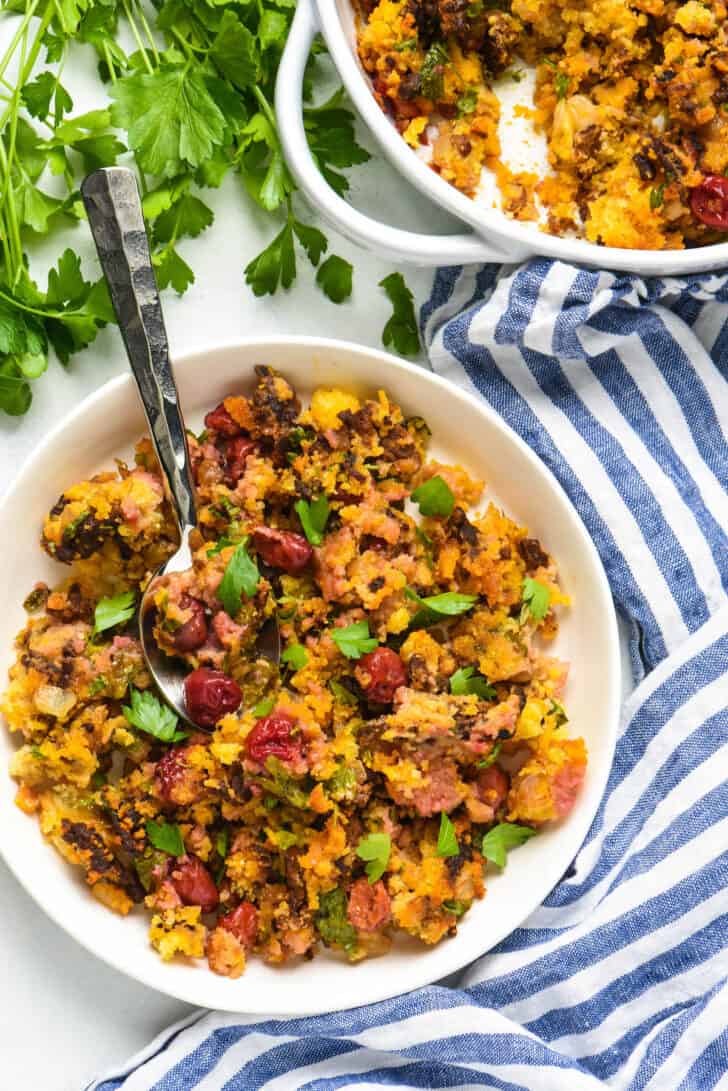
{"x":113,"y":205}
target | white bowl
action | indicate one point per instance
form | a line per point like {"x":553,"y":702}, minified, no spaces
{"x":464,"y":430}
{"x":496,"y":238}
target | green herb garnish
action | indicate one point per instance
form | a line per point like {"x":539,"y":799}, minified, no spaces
{"x":434,"y":497}
{"x":165,"y":837}
{"x":148,"y":714}
{"x":536,"y":598}
{"x":313,"y":516}
{"x":465,"y":680}
{"x":503,"y":837}
{"x":113,"y":611}
{"x":241,"y":578}
{"x":263,"y":707}
{"x":354,"y":640}
{"x":657,"y":196}
{"x":447,"y":842}
{"x":467,"y":102}
{"x":296,"y":656}
{"x":375,"y":848}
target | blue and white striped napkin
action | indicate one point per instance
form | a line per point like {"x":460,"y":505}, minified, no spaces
{"x":620,"y":979}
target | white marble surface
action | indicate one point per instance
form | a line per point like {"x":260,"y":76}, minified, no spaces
{"x":65,"y":1016}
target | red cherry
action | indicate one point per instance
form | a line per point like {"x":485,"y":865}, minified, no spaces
{"x":271,"y":737}
{"x":210,"y":695}
{"x":219,"y":420}
{"x":282,"y":549}
{"x":709,"y":201}
{"x":194,"y":884}
{"x":380,"y":673}
{"x":242,"y":922}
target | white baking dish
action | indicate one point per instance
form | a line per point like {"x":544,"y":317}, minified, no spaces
{"x":494,"y":237}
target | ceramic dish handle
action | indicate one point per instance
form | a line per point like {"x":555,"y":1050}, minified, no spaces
{"x":114,"y":209}
{"x":392,"y":242}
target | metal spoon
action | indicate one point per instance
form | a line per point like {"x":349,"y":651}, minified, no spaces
{"x":112,"y":202}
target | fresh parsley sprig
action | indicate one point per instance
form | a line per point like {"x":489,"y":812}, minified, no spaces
{"x":503,"y":837}
{"x":193,"y":104}
{"x":149,"y":715}
{"x":241,"y":578}
{"x":313,"y":516}
{"x":434,"y":497}
{"x":113,"y":611}
{"x":354,"y":640}
{"x":376,"y":849}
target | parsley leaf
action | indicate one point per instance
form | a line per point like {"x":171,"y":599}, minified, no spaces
{"x":431,"y":73}
{"x":448,"y":604}
{"x":455,"y":907}
{"x":172,"y":120}
{"x":434,"y":497}
{"x":165,"y":837}
{"x":314,"y":517}
{"x":273,"y":266}
{"x":465,"y":680}
{"x":295,"y":655}
{"x":263,"y":707}
{"x":113,"y":611}
{"x":334,"y":278}
{"x":375,"y":848}
{"x":447,"y":842}
{"x":401,"y":330}
{"x":234,"y":52}
{"x":354,"y":640}
{"x":536,"y":598}
{"x":152,"y":716}
{"x":241,"y":578}
{"x":504,"y":836}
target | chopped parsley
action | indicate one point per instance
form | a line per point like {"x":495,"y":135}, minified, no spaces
{"x":434,"y":497}
{"x":165,"y":837}
{"x":503,"y":837}
{"x":467,"y":102}
{"x":354,"y":640}
{"x":342,"y":693}
{"x":241,"y":578}
{"x":148,"y":714}
{"x":657,"y":196}
{"x":313,"y":516}
{"x":447,"y":842}
{"x":375,"y":848}
{"x":263,"y":707}
{"x":466,"y":680}
{"x":448,"y":604}
{"x":113,"y":611}
{"x":296,"y":656}
{"x":536,"y":598}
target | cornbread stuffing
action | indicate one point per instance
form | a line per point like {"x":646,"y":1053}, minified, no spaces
{"x":413,"y":730}
{"x":632,"y":96}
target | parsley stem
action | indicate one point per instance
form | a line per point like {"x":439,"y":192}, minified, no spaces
{"x":186,"y":47}
{"x":109,"y":63}
{"x":147,"y":30}
{"x":266,"y":108}
{"x":137,"y":37}
{"x":16,"y":38}
{"x":27,"y":68}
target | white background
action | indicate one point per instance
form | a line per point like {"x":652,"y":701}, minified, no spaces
{"x":64,"y":1015}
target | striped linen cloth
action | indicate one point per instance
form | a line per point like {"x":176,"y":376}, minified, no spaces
{"x":620,"y":979}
